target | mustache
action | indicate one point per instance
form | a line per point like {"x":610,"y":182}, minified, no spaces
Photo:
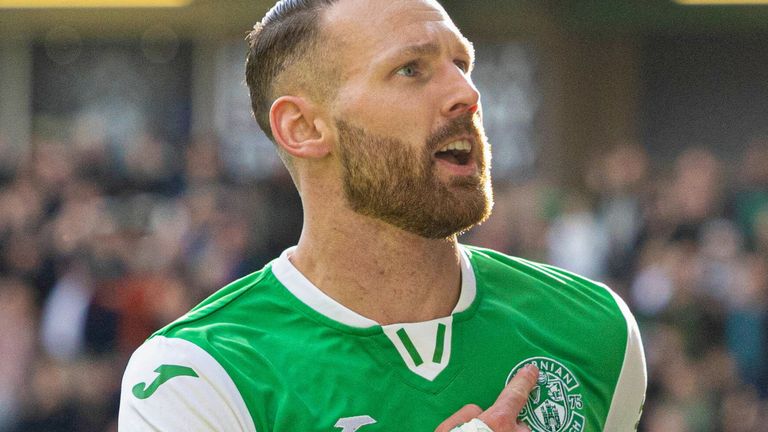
{"x":464,"y":125}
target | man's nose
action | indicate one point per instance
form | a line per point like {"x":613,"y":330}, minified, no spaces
{"x":462,"y":95}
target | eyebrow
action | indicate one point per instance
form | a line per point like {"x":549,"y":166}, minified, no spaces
{"x":433,"y":48}
{"x":425,"y":49}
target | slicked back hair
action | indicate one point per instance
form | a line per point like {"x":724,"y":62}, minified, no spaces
{"x":286,"y":35}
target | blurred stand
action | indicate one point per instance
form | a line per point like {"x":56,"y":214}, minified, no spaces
{"x":134,"y":183}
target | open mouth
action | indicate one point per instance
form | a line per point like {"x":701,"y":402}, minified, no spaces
{"x":456,"y":152}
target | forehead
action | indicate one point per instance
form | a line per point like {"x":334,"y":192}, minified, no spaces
{"x":383,"y":11}
{"x":366,"y":29}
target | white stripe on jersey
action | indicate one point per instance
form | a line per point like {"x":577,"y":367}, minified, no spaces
{"x":629,"y":395}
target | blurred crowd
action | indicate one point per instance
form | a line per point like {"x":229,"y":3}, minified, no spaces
{"x":100,"y":248}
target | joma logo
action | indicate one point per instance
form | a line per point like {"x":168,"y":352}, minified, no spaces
{"x":351,"y":424}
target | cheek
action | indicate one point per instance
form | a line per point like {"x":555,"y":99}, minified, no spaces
{"x":407,"y":116}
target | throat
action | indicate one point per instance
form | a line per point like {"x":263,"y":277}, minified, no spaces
{"x":387,"y":275}
{"x":414,"y":307}
{"x":413,"y":295}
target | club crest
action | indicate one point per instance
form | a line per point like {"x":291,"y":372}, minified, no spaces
{"x":555,"y":405}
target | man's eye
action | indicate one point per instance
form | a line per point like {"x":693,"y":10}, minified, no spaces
{"x":408,"y":70}
{"x":461,"y":64}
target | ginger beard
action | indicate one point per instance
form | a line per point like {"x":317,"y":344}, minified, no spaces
{"x":385,"y":178}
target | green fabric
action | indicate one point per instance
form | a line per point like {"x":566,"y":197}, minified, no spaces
{"x":298,"y":370}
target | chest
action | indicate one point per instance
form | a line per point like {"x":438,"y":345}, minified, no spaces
{"x":407,"y":379}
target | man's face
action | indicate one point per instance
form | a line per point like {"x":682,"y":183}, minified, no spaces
{"x":409,"y":138}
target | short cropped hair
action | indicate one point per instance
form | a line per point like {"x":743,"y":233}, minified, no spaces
{"x":286,"y":36}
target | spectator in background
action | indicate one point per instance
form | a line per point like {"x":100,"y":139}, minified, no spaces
{"x":750,"y":198}
{"x":620,"y":181}
{"x":577,"y":241}
{"x":746,"y":322}
{"x":17,"y":346}
{"x":696,"y":192}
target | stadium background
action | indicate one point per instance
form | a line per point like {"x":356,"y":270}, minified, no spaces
{"x":631,"y":145}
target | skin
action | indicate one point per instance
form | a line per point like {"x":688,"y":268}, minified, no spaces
{"x":405,"y":74}
{"x":374,"y":268}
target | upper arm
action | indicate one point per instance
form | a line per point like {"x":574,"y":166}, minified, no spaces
{"x":629,"y":394}
{"x":173,"y":385}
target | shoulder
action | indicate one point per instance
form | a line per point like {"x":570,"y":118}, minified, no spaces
{"x":547,"y":291}
{"x":225,"y":310}
{"x":193,"y":365}
{"x":495,"y":268}
{"x":553,"y":287}
{"x":172,"y":384}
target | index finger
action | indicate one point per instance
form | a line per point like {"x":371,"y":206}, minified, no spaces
{"x":502,"y":415}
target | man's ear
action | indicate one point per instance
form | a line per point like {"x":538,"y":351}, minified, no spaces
{"x":297,"y":128}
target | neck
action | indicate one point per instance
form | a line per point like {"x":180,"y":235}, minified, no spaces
{"x":377,"y":270}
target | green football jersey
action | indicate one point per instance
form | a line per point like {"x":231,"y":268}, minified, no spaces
{"x":272,"y":352}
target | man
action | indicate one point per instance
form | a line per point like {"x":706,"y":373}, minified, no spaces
{"x":378,"y":320}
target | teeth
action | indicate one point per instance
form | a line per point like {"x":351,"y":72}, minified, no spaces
{"x":461,"y":145}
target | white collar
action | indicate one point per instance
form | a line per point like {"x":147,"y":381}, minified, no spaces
{"x":313,"y":297}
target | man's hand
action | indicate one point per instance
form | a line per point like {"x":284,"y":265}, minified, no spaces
{"x":502,"y":415}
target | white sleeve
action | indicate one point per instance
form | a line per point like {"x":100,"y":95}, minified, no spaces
{"x":173,"y":385}
{"x":629,"y":395}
